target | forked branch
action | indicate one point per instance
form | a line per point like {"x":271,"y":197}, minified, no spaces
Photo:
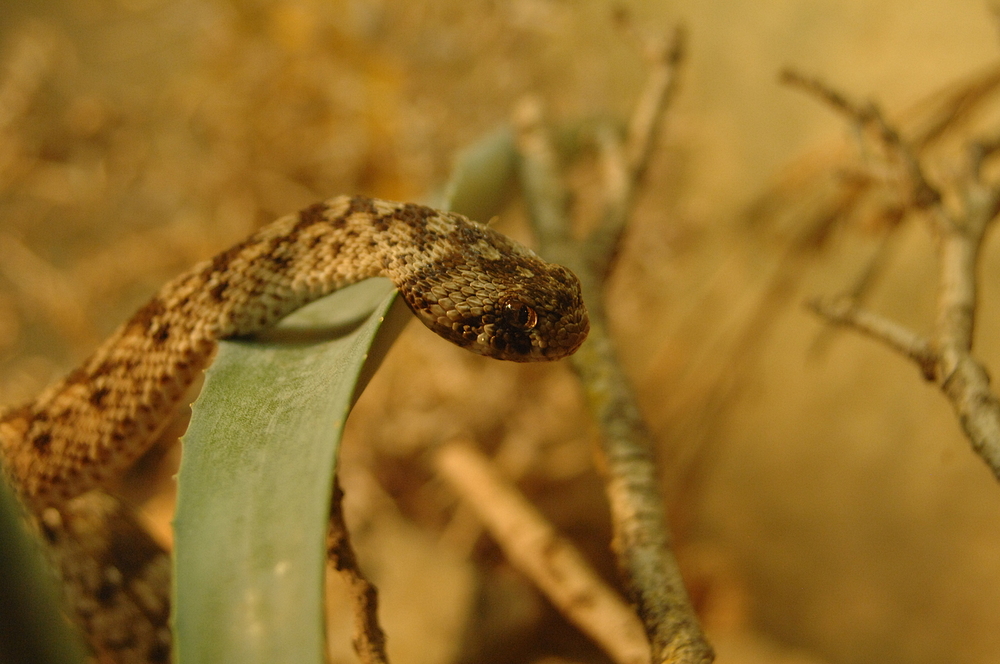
{"x":947,"y":359}
{"x":868,"y":116}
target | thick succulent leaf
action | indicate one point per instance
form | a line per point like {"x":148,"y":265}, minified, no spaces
{"x":483,"y":176}
{"x":32,"y":628}
{"x":260,"y":455}
{"x":256,"y":479}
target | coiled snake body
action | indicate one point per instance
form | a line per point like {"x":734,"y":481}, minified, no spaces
{"x":468,"y":283}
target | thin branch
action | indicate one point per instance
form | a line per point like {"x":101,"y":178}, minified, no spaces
{"x":661,"y":86}
{"x":951,"y":108}
{"x":979,"y":152}
{"x":898,"y":337}
{"x":948,"y":360}
{"x":534,"y":547}
{"x":822,"y":91}
{"x":617,"y":179}
{"x":641,"y":542}
{"x":923,"y":194}
{"x":369,"y":639}
{"x":626,"y":164}
{"x":964,"y":379}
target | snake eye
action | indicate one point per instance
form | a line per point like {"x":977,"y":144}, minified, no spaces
{"x":519,"y":315}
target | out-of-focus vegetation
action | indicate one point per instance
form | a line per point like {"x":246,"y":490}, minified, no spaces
{"x":823,"y":498}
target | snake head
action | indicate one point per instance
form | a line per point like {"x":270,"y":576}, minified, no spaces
{"x":537,"y":317}
{"x":495,"y":297}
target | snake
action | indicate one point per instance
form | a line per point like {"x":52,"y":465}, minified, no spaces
{"x":63,"y":452}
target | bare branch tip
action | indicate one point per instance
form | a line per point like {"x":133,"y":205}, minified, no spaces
{"x":822,"y":91}
{"x":795,"y":78}
{"x":979,"y":152}
{"x":834,"y":311}
{"x":843,"y":311}
{"x":677,"y":52}
{"x":869,"y":115}
{"x":789,"y":76}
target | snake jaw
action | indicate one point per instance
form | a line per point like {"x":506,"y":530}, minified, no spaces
{"x":523,"y":333}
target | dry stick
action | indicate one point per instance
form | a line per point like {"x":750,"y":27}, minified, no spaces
{"x":640,"y":534}
{"x":949,"y":361}
{"x":535,"y":548}
{"x":898,"y":337}
{"x":962,"y":377}
{"x":937,"y":117}
{"x":368,"y":639}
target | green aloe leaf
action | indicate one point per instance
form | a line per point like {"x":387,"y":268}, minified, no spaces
{"x":32,"y":628}
{"x":483,"y":176}
{"x":260,"y":455}
{"x":256,"y":479}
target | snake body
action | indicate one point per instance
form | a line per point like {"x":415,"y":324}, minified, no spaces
{"x":465,"y":281}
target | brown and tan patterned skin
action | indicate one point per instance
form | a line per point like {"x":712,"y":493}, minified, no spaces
{"x":470,"y":284}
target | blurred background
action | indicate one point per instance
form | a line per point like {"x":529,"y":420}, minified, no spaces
{"x":824,"y":503}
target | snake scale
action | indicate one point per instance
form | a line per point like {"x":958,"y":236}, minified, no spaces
{"x":63,"y":451}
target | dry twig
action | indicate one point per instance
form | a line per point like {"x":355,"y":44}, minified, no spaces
{"x":948,"y":359}
{"x":640,"y":535}
{"x":889,"y":332}
{"x":369,"y":639}
{"x":869,"y":115}
{"x":535,"y":548}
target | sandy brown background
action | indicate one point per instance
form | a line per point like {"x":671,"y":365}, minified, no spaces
{"x":825,"y":503}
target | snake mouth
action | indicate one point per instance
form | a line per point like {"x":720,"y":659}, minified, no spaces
{"x":569,"y":340}
{"x":576,"y":341}
{"x":506,"y":344}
